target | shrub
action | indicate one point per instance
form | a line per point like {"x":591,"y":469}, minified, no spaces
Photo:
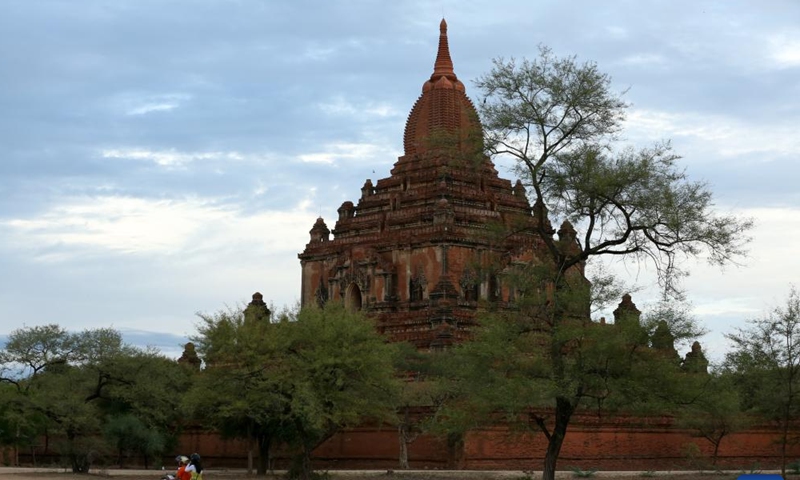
{"x":577,"y":472}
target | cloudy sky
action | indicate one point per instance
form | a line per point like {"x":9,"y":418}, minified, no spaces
{"x":160,"y":158}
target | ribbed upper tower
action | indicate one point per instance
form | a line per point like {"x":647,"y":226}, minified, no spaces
{"x":443,"y":109}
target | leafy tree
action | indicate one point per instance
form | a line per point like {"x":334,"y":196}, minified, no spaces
{"x":150,"y":388}
{"x":514,"y":376}
{"x":559,"y":120}
{"x":242,"y":392}
{"x":765,"y":360}
{"x":131,"y":436}
{"x":73,"y":418}
{"x":303,"y":378}
{"x":29,"y":352}
{"x":37,"y":363}
{"x":422,"y":393}
{"x":70,"y":382}
{"x":343,"y":375}
{"x":716,"y":413}
{"x":17,"y":429}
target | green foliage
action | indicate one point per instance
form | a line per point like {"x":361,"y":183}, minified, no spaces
{"x":18,"y":427}
{"x":578,"y":473}
{"x":715,"y":411}
{"x":517,"y":363}
{"x":558,"y":120}
{"x":242,"y":392}
{"x":574,"y":99}
{"x":691,"y":452}
{"x":130,"y":436}
{"x":296,"y":381}
{"x":675,"y":317}
{"x":67,"y":384}
{"x":80,"y":453}
{"x":343,"y":368}
{"x":421,"y":396}
{"x":765,"y":363}
{"x":605,"y":287}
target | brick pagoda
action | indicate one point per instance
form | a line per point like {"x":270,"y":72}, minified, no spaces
{"x":416,"y":251}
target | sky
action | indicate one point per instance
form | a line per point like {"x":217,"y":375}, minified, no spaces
{"x":160,"y":158}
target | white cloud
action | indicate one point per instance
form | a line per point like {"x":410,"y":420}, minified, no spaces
{"x":727,"y":136}
{"x":339,"y":106}
{"x":318,"y":53}
{"x":152,"y":107}
{"x":642,"y":60}
{"x":134,"y":104}
{"x":616,"y":31}
{"x":335,"y":152}
{"x":174,"y":158}
{"x":261,"y":188}
{"x":784,"y":49}
{"x":127,"y":225}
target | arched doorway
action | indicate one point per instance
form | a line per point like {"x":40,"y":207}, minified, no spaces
{"x":352,"y":298}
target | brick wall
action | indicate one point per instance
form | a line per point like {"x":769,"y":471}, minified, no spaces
{"x":618,"y":443}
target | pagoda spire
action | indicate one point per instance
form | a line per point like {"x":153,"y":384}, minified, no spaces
{"x":444,"y":65}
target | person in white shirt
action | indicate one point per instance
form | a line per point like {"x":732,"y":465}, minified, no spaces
{"x":195,"y":467}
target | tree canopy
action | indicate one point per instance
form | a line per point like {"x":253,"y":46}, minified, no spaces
{"x":297,"y":379}
{"x":560,"y":122}
{"x":765,"y":361}
{"x":72,"y":385}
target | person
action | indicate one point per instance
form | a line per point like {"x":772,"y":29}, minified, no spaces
{"x":195,"y":467}
{"x":182,"y":473}
{"x":181,"y":460}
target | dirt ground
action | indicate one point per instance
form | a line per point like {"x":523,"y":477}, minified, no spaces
{"x":60,"y":474}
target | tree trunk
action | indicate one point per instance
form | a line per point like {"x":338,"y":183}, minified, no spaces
{"x":16,"y":450}
{"x":564,"y":410}
{"x":73,"y":457}
{"x":264,"y":444}
{"x":306,"y":471}
{"x":249,"y":449}
{"x":784,"y":441}
{"x":455,"y":451}
{"x":403,"y":437}
{"x":716,"y":452}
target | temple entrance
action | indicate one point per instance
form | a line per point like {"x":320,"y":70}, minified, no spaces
{"x":352,"y":298}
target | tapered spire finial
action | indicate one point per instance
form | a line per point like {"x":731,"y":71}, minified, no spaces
{"x":443,"y":65}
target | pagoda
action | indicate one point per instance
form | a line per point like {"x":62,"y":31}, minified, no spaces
{"x":416,"y":251}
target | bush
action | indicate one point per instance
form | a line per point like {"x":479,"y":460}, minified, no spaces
{"x":577,"y":472}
